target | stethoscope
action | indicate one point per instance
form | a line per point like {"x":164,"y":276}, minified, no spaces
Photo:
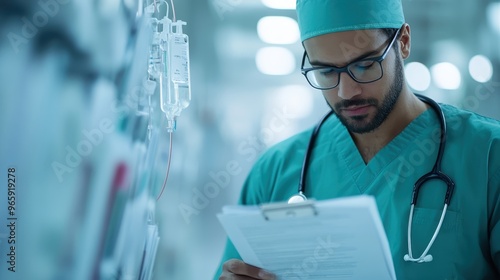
{"x":435,"y":173}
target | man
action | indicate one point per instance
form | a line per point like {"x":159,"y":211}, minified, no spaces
{"x":380,"y":141}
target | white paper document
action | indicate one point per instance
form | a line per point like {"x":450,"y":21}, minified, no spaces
{"x":340,"y":238}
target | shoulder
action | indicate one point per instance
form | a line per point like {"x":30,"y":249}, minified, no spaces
{"x":276,"y":162}
{"x":286,"y":151}
{"x":463,"y":122}
{"x":276,"y":172}
{"x":294,"y":148}
{"x":473,"y":132}
{"x":476,"y":137}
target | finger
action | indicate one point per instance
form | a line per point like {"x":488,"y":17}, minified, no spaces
{"x":239,"y":267}
{"x":230,"y":276}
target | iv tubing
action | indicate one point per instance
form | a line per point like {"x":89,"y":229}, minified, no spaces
{"x":168,"y":167}
{"x":173,"y":10}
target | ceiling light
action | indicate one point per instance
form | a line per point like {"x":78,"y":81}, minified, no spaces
{"x":418,"y":76}
{"x":480,"y":68}
{"x":278,"y":30}
{"x":493,"y":15}
{"x":446,"y":76}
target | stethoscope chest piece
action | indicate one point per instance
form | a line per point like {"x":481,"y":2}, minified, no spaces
{"x":299,"y":197}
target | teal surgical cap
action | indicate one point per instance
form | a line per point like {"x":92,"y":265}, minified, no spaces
{"x":318,"y":17}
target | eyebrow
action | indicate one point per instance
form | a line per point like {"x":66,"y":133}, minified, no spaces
{"x":363,"y":56}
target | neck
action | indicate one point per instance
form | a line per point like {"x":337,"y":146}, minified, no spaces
{"x":407,"y":108}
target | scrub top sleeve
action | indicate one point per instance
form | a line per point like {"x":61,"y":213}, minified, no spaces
{"x":494,"y":205}
{"x":256,"y":189}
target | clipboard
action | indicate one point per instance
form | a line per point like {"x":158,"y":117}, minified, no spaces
{"x":281,"y":210}
{"x":341,"y":238}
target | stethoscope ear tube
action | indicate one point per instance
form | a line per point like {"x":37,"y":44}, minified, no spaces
{"x":424,"y":257}
{"x":436,"y":174}
{"x":305,"y":164}
{"x":442,"y":123}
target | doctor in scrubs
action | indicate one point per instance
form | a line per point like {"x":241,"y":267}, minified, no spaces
{"x":379,"y":141}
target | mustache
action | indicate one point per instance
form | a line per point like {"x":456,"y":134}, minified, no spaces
{"x":355,"y":102}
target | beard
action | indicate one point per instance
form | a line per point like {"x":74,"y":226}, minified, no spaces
{"x":362,"y":124}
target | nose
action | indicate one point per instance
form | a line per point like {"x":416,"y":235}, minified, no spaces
{"x":348,"y":88}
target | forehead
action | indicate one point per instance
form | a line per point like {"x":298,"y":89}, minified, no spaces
{"x":342,"y":47}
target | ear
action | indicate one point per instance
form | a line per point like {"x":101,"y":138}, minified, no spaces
{"x":405,"y":41}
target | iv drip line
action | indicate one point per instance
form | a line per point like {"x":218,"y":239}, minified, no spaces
{"x":168,"y":167}
{"x":173,"y":10}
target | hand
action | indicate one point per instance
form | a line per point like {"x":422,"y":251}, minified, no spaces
{"x":236,"y":269}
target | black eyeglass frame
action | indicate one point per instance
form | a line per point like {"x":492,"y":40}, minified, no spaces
{"x":345,"y":69}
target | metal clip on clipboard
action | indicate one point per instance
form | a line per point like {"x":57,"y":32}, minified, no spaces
{"x":272,"y":211}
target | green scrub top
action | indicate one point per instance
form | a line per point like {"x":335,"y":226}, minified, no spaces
{"x":468,"y":245}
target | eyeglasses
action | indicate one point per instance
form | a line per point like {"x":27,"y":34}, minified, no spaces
{"x":364,"y":71}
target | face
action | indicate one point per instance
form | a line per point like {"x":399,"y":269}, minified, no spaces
{"x":361,"y":107}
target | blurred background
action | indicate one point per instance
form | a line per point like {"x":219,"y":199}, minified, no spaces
{"x":82,"y":124}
